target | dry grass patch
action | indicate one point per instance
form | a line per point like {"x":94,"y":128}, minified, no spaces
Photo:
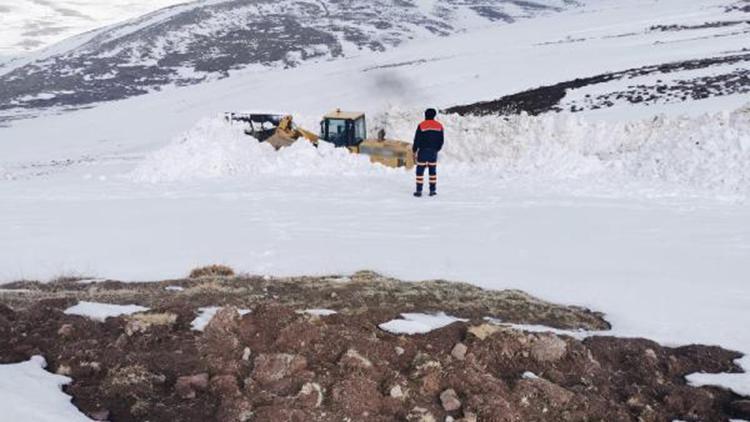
{"x":140,"y":323}
{"x":212,"y":271}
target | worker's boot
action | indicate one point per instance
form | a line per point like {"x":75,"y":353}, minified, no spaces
{"x":418,"y":194}
{"x":433,"y":193}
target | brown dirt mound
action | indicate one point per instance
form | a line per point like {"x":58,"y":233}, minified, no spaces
{"x":276,"y":364}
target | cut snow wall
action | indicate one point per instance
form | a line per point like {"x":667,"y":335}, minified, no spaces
{"x":706,"y":153}
{"x":710,"y":152}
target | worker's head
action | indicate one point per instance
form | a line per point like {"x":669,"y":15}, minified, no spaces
{"x":430,"y":114}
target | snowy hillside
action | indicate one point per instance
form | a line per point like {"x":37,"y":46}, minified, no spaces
{"x":28,"y":25}
{"x":641,"y":53}
{"x":207,"y":39}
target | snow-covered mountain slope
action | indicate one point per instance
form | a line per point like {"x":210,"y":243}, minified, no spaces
{"x":28,"y":25}
{"x":656,"y":54}
{"x":722,"y":70}
{"x":207,"y":39}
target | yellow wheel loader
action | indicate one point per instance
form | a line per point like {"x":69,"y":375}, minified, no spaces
{"x":342,"y":129}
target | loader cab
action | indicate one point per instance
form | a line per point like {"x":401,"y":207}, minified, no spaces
{"x":343,"y":129}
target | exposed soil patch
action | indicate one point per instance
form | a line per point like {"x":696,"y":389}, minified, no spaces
{"x":361,"y":292}
{"x":277,"y":364}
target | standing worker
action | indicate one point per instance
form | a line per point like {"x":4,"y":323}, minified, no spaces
{"x":428,"y":141}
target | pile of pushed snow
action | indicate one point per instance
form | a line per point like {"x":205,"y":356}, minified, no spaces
{"x":706,"y":153}
{"x":215,"y":148}
{"x":29,"y":393}
{"x":710,"y":152}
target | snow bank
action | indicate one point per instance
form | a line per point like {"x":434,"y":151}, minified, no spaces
{"x":102,"y":311}
{"x":217,"y":149}
{"x":29,"y":393}
{"x":710,"y":152}
{"x":415,"y":323}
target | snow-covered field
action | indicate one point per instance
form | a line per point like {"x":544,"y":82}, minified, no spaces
{"x":644,"y":218}
{"x":31,"y":393}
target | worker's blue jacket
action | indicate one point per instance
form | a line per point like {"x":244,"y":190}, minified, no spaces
{"x":428,"y":141}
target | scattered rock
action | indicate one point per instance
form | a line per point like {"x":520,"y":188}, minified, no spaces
{"x":274,"y":367}
{"x":311,"y":395}
{"x":449,"y":400}
{"x":353,"y":359}
{"x":66,"y":330}
{"x":220,"y":343}
{"x":187,"y":386}
{"x":420,"y":414}
{"x":397,"y":392}
{"x":64,"y":370}
{"x":483,"y":331}
{"x":459,"y":351}
{"x":548,"y":348}
{"x":428,"y":371}
{"x":86,"y":369}
{"x":541,"y":393}
{"x":468,"y":417}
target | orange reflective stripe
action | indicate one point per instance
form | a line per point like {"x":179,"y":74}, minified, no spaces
{"x":422,"y":164}
{"x":430,"y":125}
{"x":432,"y":164}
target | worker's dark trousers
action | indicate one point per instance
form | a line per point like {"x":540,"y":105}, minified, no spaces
{"x":427,"y":158}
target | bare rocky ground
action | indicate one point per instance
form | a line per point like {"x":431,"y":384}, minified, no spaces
{"x":551,"y":98}
{"x":277,"y":364}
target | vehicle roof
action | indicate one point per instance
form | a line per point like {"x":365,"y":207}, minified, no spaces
{"x":346,"y":115}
